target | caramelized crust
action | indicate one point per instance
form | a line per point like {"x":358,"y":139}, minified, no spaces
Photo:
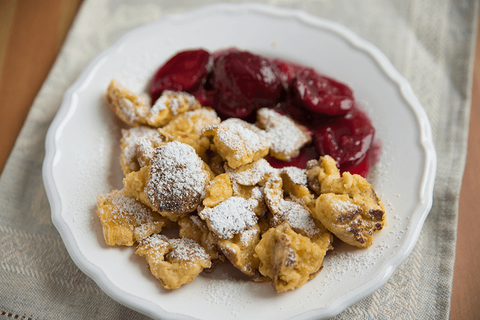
{"x":288,"y":258}
{"x":348,"y":206}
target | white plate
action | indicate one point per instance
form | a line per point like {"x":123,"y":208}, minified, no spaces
{"x":83,"y":147}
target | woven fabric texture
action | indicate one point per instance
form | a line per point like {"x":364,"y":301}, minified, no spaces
{"x":430,"y":42}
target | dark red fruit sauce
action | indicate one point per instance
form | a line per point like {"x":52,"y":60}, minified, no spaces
{"x":237,"y":83}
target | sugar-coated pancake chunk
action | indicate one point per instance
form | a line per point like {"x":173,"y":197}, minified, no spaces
{"x":174,"y":183}
{"x":240,"y":250}
{"x":135,"y":110}
{"x":286,"y":136}
{"x":192,"y":227}
{"x":289,"y":259}
{"x":137,"y":145}
{"x":229,"y":217}
{"x":130,"y":107}
{"x":238,"y":142}
{"x":187,"y":128}
{"x":126,"y":220}
{"x":174,"y":262}
{"x":348,"y":206}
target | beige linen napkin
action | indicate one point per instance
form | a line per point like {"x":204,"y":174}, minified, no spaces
{"x":430,"y":42}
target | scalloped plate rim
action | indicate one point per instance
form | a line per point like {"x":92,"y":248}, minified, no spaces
{"x":339,"y":304}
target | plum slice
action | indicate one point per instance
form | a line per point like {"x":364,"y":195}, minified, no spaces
{"x":245,"y":82}
{"x":346,"y":139}
{"x":321,"y":94}
{"x":287,"y":70}
{"x":183,"y":72}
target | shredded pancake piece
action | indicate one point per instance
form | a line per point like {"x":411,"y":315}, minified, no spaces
{"x":298,"y":217}
{"x":169,"y":105}
{"x":187,"y":128}
{"x":230,"y":217}
{"x":126,"y":220}
{"x":128,"y":106}
{"x":286,"y":136}
{"x":240,"y":250}
{"x":348,"y":206}
{"x":137,"y":145}
{"x":251,"y":174}
{"x":218,"y":190}
{"x":135,"y":110}
{"x":238,"y":142}
{"x":235,"y":226}
{"x":289,"y":259}
{"x":174,"y":262}
{"x":174,"y":183}
{"x":192,"y":227}
{"x":295,"y":184}
{"x":192,"y":121}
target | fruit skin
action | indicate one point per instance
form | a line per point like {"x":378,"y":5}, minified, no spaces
{"x":245,"y":82}
{"x":346,"y":139}
{"x":287,"y":70}
{"x":185,"y":71}
{"x":321,"y":94}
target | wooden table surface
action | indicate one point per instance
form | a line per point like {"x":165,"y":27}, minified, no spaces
{"x":31,"y":33}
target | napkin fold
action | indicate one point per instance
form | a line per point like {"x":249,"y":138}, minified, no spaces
{"x":430,"y":42}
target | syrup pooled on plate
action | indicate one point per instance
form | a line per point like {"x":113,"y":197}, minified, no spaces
{"x":237,"y":83}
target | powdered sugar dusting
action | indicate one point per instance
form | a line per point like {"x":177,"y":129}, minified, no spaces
{"x":126,"y":208}
{"x":133,"y":136}
{"x":239,"y":135}
{"x":248,"y":235}
{"x":187,"y":249}
{"x":296,"y":175}
{"x":345,"y":206}
{"x":206,"y":116}
{"x":155,"y":241}
{"x":268,"y":74}
{"x":171,"y":100}
{"x":177,"y":180}
{"x":230,"y":217}
{"x":127,"y":107}
{"x":297,"y":216}
{"x":253,"y":174}
{"x":284,"y":135}
{"x":145,"y":148}
{"x":179,"y":248}
{"x":235,"y":295}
